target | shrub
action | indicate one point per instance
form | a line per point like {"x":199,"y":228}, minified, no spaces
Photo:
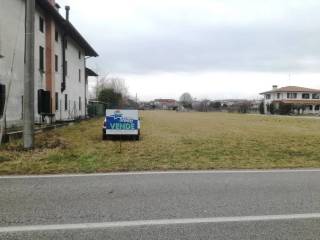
{"x":272,"y":108}
{"x":261,"y":108}
{"x":109,"y":96}
{"x":285,"y":108}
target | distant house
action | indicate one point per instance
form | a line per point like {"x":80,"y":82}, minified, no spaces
{"x":231,"y":102}
{"x":300,"y":100}
{"x":165,"y":104}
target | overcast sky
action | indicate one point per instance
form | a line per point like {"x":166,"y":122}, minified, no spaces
{"x":210,"y":48}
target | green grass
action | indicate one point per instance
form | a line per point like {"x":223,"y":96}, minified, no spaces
{"x":172,"y":140}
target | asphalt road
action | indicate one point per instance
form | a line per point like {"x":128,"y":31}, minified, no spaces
{"x":177,"y":205}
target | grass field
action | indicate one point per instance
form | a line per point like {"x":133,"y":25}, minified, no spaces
{"x":172,"y":140}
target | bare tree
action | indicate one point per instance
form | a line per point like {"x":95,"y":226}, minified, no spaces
{"x":186,"y":100}
{"x":115,"y":83}
{"x":202,"y":106}
{"x":205,"y":105}
{"x":118,"y":85}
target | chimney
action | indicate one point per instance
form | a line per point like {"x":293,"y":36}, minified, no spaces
{"x":274,"y":87}
{"x":67,"y":12}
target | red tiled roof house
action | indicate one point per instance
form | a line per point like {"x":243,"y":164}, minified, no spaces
{"x":302,"y":100}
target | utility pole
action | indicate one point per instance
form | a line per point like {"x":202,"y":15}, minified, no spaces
{"x":28,"y":103}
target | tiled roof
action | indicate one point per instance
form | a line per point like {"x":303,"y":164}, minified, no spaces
{"x":293,"y":89}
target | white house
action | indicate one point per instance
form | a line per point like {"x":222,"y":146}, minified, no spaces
{"x":301,"y":99}
{"x":60,"y":63}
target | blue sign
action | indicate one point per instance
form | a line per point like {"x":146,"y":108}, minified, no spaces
{"x":118,"y":122}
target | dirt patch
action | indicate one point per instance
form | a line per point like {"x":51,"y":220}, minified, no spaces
{"x":50,"y":141}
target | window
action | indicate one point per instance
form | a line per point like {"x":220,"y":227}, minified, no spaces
{"x":315,"y":96}
{"x":79,"y":54}
{"x":310,"y":107}
{"x":56,"y":36}
{"x":2,"y":98}
{"x":41,"y":24}
{"x":79,"y":75}
{"x":44,"y":102}
{"x":56,"y":63}
{"x":292,"y":95}
{"x":306,"y":96}
{"x":80,"y":103}
{"x":278,"y":95}
{"x":57,"y":101}
{"x":317,"y":108}
{"x":66,"y":102}
{"x":66,"y":44}
{"x":268,"y":96}
{"x":41,"y":59}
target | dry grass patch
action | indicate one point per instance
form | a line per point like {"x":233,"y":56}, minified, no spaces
{"x":172,"y":140}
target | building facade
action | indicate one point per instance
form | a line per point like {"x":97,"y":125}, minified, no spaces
{"x":302,"y":100}
{"x":60,"y":53}
{"x":165,"y":104}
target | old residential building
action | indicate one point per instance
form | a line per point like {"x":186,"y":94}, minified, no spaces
{"x":302,"y":100}
{"x":60,"y":63}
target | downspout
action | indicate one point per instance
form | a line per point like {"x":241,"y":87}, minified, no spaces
{"x":85,"y":87}
{"x":63,"y":83}
{"x":64,"y":38}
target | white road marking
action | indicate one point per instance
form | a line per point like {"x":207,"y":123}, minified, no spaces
{"x":162,"y":222}
{"x":162,"y":172}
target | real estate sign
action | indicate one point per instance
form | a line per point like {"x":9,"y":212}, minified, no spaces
{"x":122,"y":122}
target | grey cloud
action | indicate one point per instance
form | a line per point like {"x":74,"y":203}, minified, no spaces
{"x":287,"y":46}
{"x":228,"y":48}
